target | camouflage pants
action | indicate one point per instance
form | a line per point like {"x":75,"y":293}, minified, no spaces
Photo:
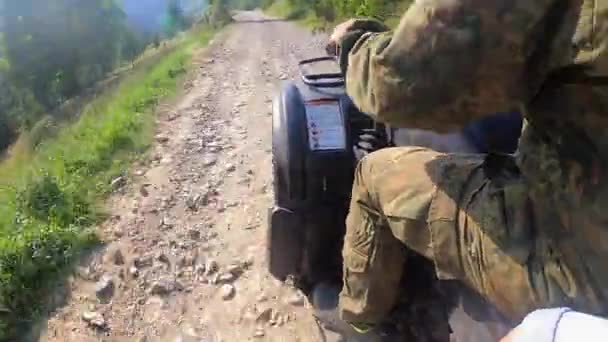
{"x":446,"y":208}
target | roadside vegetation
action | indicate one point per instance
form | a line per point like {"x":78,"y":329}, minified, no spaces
{"x":57,"y":171}
{"x":325,"y":14}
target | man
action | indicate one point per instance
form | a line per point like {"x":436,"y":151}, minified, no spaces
{"x":524,"y":233}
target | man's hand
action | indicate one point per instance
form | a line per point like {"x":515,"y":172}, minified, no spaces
{"x":336,"y":37}
{"x":341,"y":30}
{"x":370,"y":140}
{"x":355,"y":26}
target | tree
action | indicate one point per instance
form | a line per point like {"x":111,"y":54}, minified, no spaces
{"x":219,"y":13}
{"x":50,"y":50}
{"x":176,"y":20}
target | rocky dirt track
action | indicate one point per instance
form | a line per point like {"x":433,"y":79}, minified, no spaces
{"x":186,"y":254}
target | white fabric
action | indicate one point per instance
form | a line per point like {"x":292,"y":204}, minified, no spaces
{"x":575,"y":326}
{"x":561,"y":325}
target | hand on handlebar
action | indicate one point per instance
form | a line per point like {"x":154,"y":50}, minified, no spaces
{"x":337,"y":35}
{"x":369,"y":141}
{"x":332,"y":49}
{"x":365,"y":25}
{"x":351,"y":25}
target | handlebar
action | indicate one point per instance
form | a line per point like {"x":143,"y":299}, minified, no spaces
{"x":321,"y":80}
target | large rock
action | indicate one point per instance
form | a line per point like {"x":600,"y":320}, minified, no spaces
{"x":133,"y":271}
{"x":143,"y":190}
{"x":104,"y":288}
{"x":227,"y":292}
{"x":210,"y":161}
{"x":194,"y":234}
{"x":296,"y":299}
{"x":162,"y":257}
{"x":162,"y":138}
{"x":265,"y":316}
{"x":165,"y":286}
{"x":193,"y":201}
{"x":225,"y":278}
{"x":259,"y":333}
{"x":143,"y":261}
{"x":94,"y":319}
{"x":118,"y":182}
{"x":211,"y":267}
{"x":115,"y":256}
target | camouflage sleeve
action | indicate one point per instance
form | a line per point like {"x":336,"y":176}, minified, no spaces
{"x":449,"y":61}
{"x":358,"y":28}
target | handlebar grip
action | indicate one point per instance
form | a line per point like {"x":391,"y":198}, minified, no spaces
{"x":323,"y":80}
{"x":332,"y":49}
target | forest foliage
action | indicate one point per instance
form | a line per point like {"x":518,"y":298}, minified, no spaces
{"x":51,"y":50}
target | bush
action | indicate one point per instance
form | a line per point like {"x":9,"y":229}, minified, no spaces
{"x":44,"y":200}
{"x":31,"y":261}
{"x":218,"y":14}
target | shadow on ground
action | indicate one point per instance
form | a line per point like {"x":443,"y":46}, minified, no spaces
{"x":33,"y":331}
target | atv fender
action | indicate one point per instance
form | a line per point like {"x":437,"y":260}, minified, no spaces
{"x":310,"y":186}
{"x":286,"y":242}
{"x":289,"y":139}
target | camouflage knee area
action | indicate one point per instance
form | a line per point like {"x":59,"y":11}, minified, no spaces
{"x":373,"y":265}
{"x":373,"y":254}
{"x":397,"y":182}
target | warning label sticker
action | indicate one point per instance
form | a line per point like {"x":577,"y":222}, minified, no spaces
{"x":325,"y":127}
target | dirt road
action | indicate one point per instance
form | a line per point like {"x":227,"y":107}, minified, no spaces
{"x":185,"y":259}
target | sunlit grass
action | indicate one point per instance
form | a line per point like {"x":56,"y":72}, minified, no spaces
{"x":307,"y":18}
{"x":49,"y":194}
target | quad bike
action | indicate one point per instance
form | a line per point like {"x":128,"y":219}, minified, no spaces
{"x":315,"y":126}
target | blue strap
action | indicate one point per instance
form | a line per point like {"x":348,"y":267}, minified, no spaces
{"x":495,"y":133}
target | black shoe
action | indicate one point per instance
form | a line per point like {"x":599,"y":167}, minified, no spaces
{"x":325,"y":303}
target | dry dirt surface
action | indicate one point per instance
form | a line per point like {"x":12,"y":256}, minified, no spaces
{"x":185,"y":259}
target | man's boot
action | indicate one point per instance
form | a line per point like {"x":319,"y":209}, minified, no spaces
{"x":325,"y":302}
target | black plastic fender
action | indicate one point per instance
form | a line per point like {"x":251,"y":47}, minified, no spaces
{"x":289,"y":139}
{"x":285,"y":242}
{"x":286,"y":234}
{"x":311,"y":189}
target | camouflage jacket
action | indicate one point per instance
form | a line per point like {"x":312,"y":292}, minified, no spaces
{"x":453,"y":61}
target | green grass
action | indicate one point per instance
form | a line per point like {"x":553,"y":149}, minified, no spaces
{"x":307,"y":18}
{"x":280,"y":9}
{"x":304,"y":17}
{"x":283,"y":9}
{"x":49,"y":196}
